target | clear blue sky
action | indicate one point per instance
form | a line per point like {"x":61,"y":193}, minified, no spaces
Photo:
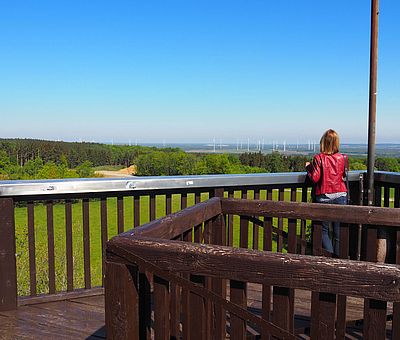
{"x":185,"y":70}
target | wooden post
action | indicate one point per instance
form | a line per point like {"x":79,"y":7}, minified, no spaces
{"x":218,"y":286}
{"x":282,"y":311}
{"x":197,"y":323}
{"x":8,"y":268}
{"x":161,"y":308}
{"x":323,"y":313}
{"x":375,"y":320}
{"x":238,"y":297}
{"x":121,"y":301}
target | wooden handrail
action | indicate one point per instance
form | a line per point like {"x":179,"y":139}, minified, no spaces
{"x":177,"y":223}
{"x":319,"y":212}
{"x":164,"y":249}
{"x":315,"y":273}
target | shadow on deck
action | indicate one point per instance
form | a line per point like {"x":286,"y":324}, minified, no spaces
{"x":81,"y":318}
{"x":302,"y":313}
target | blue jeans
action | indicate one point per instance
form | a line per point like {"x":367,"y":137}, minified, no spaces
{"x":326,"y":240}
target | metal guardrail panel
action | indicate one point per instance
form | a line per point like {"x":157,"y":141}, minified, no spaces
{"x":97,"y":185}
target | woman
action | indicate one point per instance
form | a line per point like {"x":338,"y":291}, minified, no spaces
{"x":327,"y":171}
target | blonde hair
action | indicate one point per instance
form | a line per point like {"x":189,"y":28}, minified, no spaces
{"x":329,"y":143}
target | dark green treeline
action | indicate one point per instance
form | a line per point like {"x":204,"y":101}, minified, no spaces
{"x":32,"y":159}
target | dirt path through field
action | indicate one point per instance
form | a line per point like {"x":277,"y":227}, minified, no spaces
{"x":118,"y":173}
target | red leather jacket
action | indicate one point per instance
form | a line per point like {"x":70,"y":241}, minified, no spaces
{"x":327,"y":172}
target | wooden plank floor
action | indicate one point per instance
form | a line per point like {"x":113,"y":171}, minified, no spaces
{"x":81,"y":318}
{"x":302,"y":311}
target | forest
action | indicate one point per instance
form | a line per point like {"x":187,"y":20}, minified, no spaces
{"x":41,"y":159}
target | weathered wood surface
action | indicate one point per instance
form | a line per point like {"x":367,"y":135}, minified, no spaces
{"x":318,"y":212}
{"x":50,"y":247}
{"x":69,"y":247}
{"x":176,"y":224}
{"x":302,"y":312}
{"x":8,"y":282}
{"x":122,"y":300}
{"x":76,"y":293}
{"x":31,"y":247}
{"x":52,"y":320}
{"x":81,"y":318}
{"x":320,"y":274}
{"x":86,"y":243}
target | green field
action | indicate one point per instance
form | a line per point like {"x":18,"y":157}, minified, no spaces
{"x":60,"y":239}
{"x":95,"y":236}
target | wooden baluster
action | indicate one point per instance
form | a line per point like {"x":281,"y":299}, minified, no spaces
{"x":120,"y":212}
{"x":161,"y":309}
{"x":373,"y":310}
{"x":317,"y":238}
{"x":374,"y":319}
{"x":256,"y":228}
{"x":168,"y":204}
{"x":378,"y":195}
{"x":279,"y":244}
{"x":386,"y":196}
{"x":121,"y":300}
{"x":206,"y":281}
{"x":50,"y":247}
{"x":244,"y":232}
{"x":282,"y":312}
{"x":136,"y":211}
{"x":315,"y":296}
{"x":86,"y":243}
{"x":144,"y":305}
{"x":238,"y":292}
{"x":244,"y":227}
{"x":396,"y":305}
{"x":183,"y":200}
{"x":186,"y":301}
{"x":8,"y":267}
{"x":152,"y":207}
{"x":283,"y":298}
{"x":32,"y":252}
{"x":292,"y":248}
{"x":104,"y":233}
{"x":218,"y":286}
{"x":175,"y":291}
{"x":230,"y":221}
{"x":323,"y":316}
{"x":174,"y":310}
{"x":341,"y":299}
{"x":266,"y":289}
{"x":197,"y":197}
{"x":68,"y":240}
{"x":197,"y":314}
{"x":303,"y":227}
{"x":292,"y":227}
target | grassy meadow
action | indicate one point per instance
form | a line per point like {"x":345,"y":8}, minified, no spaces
{"x":21,"y":223}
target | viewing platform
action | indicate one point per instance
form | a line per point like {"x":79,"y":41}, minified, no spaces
{"x":198,"y":257}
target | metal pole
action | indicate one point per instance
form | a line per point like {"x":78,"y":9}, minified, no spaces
{"x":360,"y":227}
{"x":372,"y":99}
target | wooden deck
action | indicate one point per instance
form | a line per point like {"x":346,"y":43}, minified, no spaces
{"x":302,"y":312}
{"x":83,"y":318}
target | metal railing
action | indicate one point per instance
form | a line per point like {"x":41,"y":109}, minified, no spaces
{"x":54,"y":232}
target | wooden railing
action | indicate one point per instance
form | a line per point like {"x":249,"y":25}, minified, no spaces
{"x":187,"y":263}
{"x":53,"y":233}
